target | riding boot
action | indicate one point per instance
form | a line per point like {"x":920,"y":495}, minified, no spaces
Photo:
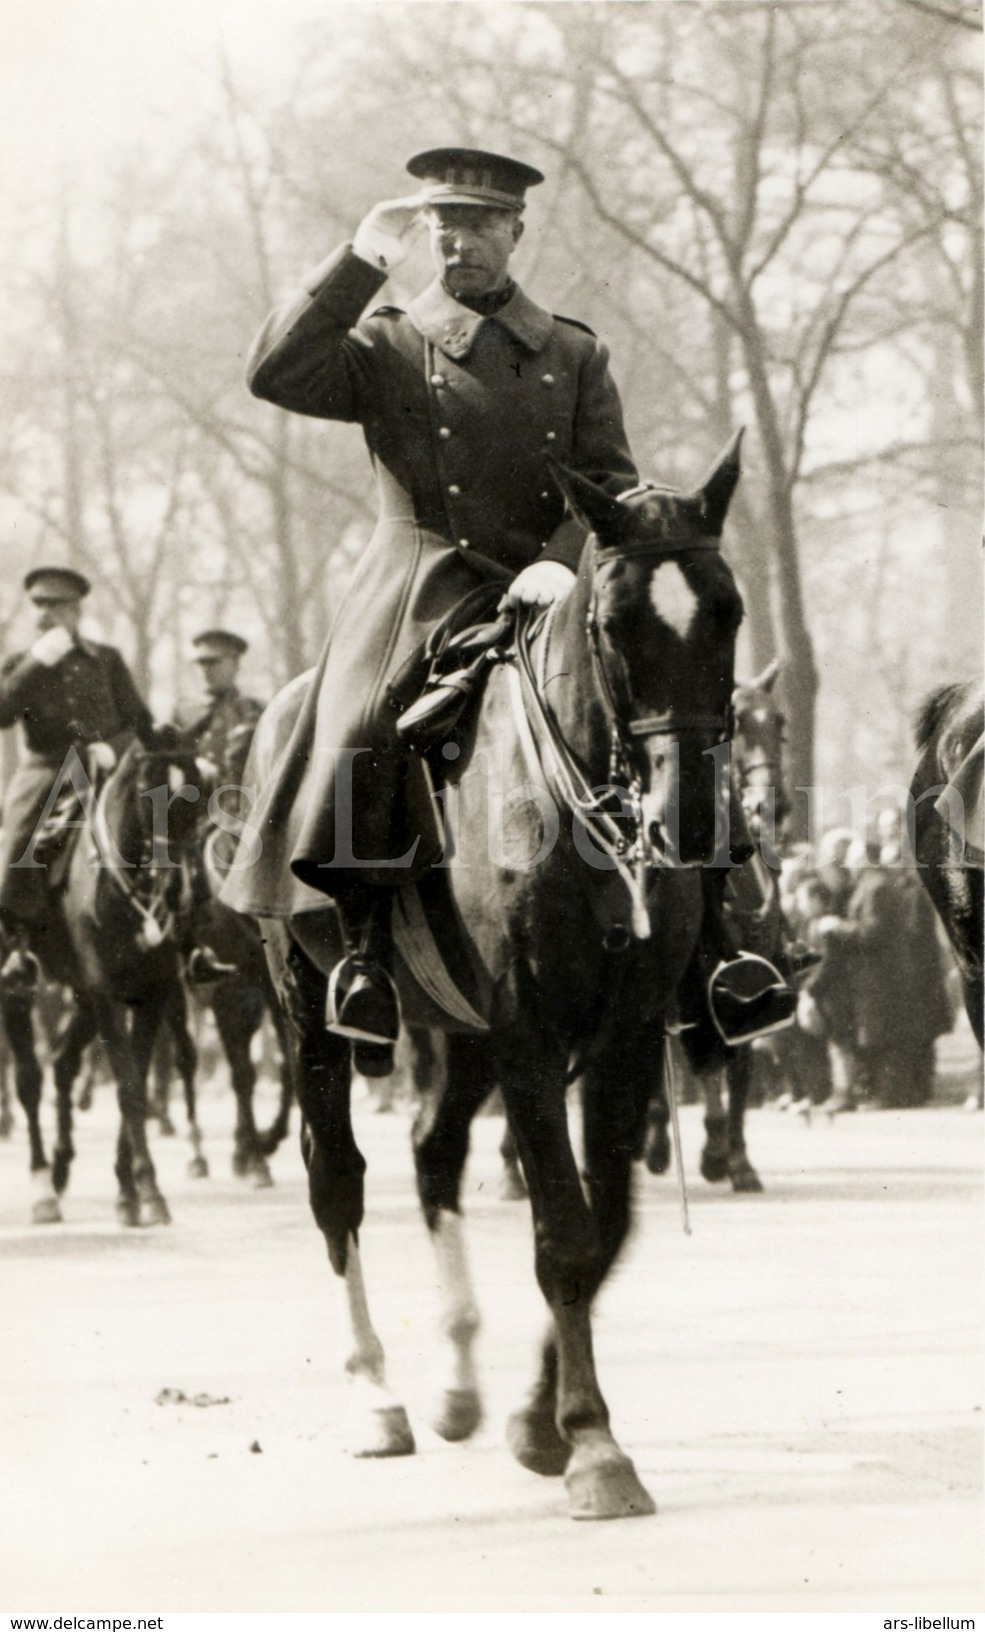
{"x":746,"y":994}
{"x":362,"y":998}
{"x":20,"y":970}
{"x":202,"y":965}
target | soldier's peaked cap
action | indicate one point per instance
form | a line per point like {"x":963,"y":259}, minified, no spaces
{"x":218,"y":643}
{"x":56,"y":584}
{"x":466,"y":175}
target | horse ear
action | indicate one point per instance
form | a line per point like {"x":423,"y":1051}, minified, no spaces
{"x":715,"y":495}
{"x":767,"y":680}
{"x":592,"y":505}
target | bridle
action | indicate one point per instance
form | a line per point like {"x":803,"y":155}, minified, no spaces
{"x":157,"y":918}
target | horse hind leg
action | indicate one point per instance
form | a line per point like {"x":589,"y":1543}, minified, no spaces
{"x":738,"y":1074}
{"x":67,"y":1063}
{"x":238,"y":1012}
{"x":441,"y":1143}
{"x":715,"y":1154}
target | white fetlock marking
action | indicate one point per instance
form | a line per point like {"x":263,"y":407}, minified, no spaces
{"x":362,"y":1351}
{"x":41,"y":1184}
{"x":459,"y":1320}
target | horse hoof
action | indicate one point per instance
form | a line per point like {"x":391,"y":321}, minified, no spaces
{"x":242,"y":1166}
{"x":512,"y":1186}
{"x":60,"y":1168}
{"x":46,"y":1211}
{"x":657,"y":1152}
{"x":384,"y":1431}
{"x":6,"y":1125}
{"x":458,"y":1414}
{"x":153,"y":1209}
{"x":198,"y":1168}
{"x":602,"y":1484}
{"x":744,"y":1177}
{"x":166,"y":1127}
{"x":714,"y":1167}
{"x":260,"y":1174}
{"x":535,"y":1441}
{"x":127,"y":1212}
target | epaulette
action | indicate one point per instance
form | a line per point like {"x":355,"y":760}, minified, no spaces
{"x":388,"y":311}
{"x":575,"y":324}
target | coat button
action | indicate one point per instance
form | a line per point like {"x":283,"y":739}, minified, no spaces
{"x":548,"y":379}
{"x":464,"y":543}
{"x":455,"y":490}
{"x":444,"y":433}
{"x":437,"y":379}
{"x":552,"y":436}
{"x":545,"y":494}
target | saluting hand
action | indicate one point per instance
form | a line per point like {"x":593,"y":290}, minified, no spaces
{"x":380,"y":237}
{"x":52,"y":646}
{"x":539,"y":585}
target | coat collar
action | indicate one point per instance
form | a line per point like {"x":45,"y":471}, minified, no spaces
{"x":452,"y":327}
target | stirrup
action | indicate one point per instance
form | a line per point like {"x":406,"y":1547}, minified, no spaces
{"x":204,"y":967}
{"x":362,"y":1002}
{"x":748,"y":998}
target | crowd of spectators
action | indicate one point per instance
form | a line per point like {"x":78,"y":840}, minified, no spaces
{"x":871,"y":1011}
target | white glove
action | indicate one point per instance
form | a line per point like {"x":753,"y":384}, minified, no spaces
{"x":379,"y":238}
{"x":809,"y":1017}
{"x":829,"y":924}
{"x":539,"y":585}
{"x":206,"y":770}
{"x":102,"y":756}
{"x":52,"y":646}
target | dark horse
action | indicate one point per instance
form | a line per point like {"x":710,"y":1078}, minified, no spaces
{"x":584,"y":928}
{"x":755,"y":918}
{"x":108,"y":939}
{"x":948,"y":736}
{"x":238,"y":1002}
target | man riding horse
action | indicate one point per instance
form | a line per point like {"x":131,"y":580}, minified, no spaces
{"x":66,"y":692}
{"x":465,"y":399}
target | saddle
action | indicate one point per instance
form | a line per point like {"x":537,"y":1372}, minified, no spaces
{"x":433,"y":690}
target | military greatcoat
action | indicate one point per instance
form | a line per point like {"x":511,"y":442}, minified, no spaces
{"x":88,"y":696}
{"x":460,"y":413}
{"x":222,"y":733}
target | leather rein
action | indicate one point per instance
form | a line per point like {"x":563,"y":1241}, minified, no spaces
{"x":623,"y":839}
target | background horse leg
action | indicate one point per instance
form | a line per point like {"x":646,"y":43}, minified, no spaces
{"x":738,"y":1074}
{"x":441,"y":1146}
{"x":19,"y":1026}
{"x":376,"y":1422}
{"x":134,"y":1167}
{"x":161,"y":1072}
{"x":270,"y":1138}
{"x":571,"y":1259}
{"x":714,"y":1156}
{"x":67,"y":1061}
{"x":238,"y":1010}
{"x":186,"y":1064}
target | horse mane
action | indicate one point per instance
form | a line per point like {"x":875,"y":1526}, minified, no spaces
{"x":932,"y":711}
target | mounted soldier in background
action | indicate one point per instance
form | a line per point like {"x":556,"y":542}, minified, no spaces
{"x":65,"y":692}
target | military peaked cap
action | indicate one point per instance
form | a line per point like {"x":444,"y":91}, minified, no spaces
{"x":218,"y":643}
{"x":56,"y":584}
{"x":466,"y":175}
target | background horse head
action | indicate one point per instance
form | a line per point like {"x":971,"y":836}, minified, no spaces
{"x":757,"y":751}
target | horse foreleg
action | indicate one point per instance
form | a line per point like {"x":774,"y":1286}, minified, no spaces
{"x":570,"y":1261}
{"x":738,"y":1074}
{"x":186,"y":1064}
{"x":19,"y":1025}
{"x":270,"y":1138}
{"x":238,"y":1011}
{"x":376,"y":1423}
{"x":134,"y":1165}
{"x":441,"y":1144}
{"x":714,"y":1156}
{"x":67,"y":1062}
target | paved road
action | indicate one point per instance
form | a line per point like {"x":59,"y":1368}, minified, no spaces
{"x":800,"y":1384}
